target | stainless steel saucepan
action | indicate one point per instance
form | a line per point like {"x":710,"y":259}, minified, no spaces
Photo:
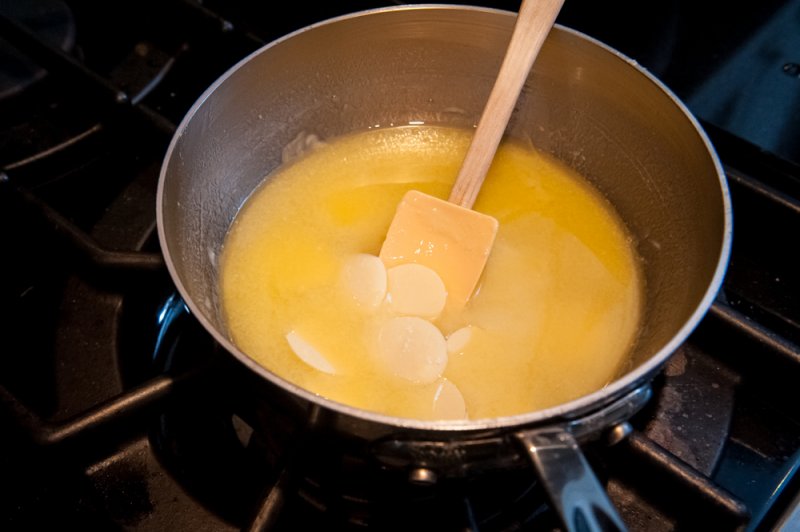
{"x":583,"y":102}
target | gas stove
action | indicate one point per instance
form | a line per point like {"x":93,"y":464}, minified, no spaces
{"x":117,"y":410}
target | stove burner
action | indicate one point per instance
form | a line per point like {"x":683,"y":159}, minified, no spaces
{"x":111,"y":419}
{"x":51,"y":21}
{"x":261,"y":449}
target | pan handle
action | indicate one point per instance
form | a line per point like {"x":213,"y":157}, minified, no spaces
{"x":575,"y":492}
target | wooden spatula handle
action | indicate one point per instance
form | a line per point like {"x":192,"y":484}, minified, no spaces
{"x":534,"y":21}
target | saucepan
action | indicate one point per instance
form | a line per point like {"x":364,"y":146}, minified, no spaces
{"x":584,"y":103}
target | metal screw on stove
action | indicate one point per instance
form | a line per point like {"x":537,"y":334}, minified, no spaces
{"x":422,"y":476}
{"x":618,"y":433}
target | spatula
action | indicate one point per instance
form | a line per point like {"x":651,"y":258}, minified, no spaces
{"x":448,"y":236}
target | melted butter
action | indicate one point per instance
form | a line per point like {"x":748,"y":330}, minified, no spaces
{"x":554,"y":317}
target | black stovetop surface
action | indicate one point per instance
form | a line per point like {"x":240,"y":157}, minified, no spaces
{"x":105,"y":424}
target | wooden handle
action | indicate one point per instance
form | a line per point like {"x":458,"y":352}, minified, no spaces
{"x":534,"y":21}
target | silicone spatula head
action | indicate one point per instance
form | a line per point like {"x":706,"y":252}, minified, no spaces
{"x":449,"y":236}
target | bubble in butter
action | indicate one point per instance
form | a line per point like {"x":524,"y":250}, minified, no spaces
{"x":553,"y":318}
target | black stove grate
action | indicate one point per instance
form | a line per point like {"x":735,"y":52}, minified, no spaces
{"x":118,"y":411}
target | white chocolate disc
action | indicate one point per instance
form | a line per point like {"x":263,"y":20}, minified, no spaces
{"x":309,"y":354}
{"x":364,"y":276}
{"x":457,"y":340}
{"x":412,"y":348}
{"x":415,"y":290}
{"x":448,"y":403}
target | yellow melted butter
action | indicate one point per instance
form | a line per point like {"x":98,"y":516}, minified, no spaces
{"x":556,"y":312}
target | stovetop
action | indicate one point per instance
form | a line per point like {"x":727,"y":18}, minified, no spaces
{"x":118,"y":411}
